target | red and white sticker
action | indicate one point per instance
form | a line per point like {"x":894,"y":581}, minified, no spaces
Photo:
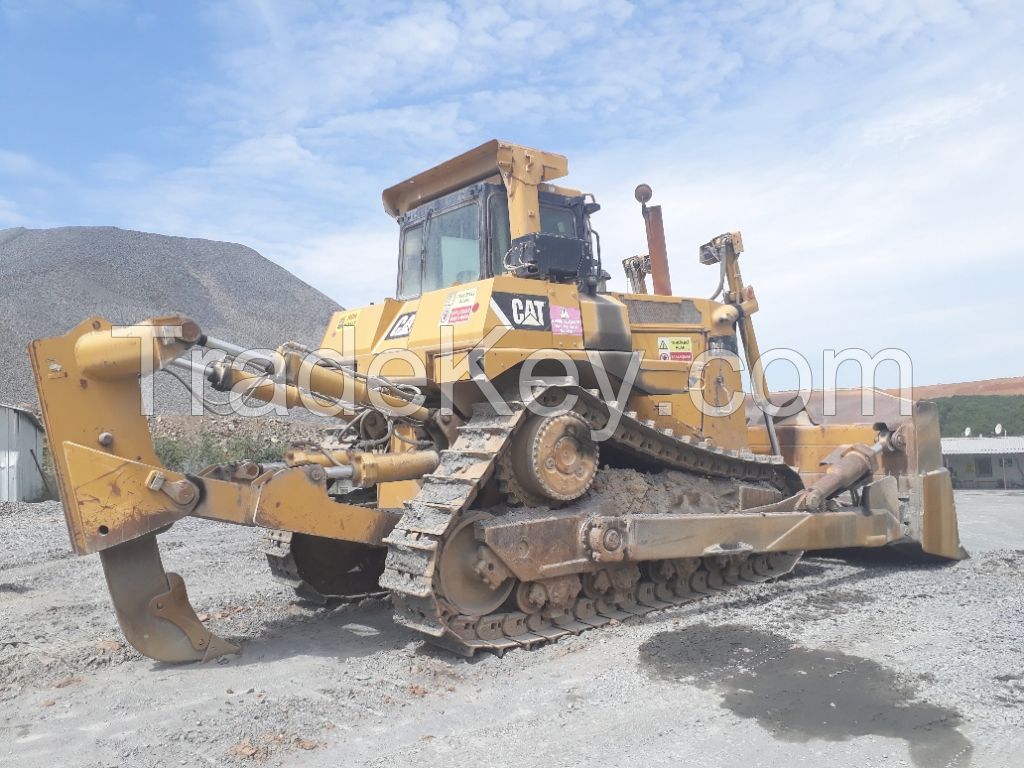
{"x":675,"y":348}
{"x":458,"y":306}
{"x":566,"y":321}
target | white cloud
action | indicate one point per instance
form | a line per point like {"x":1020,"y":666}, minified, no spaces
{"x":267,"y":155}
{"x":28,"y":190}
{"x":15,"y":163}
{"x":122,"y":167}
{"x":911,"y":121}
{"x":10,"y":216}
{"x":860,"y":243}
{"x":354,"y":266}
{"x":23,"y":169}
{"x":848,"y":27}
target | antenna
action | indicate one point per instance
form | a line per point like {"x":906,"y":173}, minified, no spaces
{"x":999,"y":429}
{"x":967,"y":431}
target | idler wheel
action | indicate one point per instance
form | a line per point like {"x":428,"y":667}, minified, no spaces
{"x":464,"y":586}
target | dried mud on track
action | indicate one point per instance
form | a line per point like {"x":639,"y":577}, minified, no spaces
{"x":857,"y":662}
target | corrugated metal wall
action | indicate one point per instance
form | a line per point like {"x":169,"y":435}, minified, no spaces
{"x":19,"y":437}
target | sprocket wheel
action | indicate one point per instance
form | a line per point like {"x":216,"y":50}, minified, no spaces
{"x":552,"y":460}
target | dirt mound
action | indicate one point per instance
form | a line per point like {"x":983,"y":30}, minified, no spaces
{"x":1007,"y":386}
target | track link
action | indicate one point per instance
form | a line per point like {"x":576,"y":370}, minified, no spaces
{"x":415,"y":545}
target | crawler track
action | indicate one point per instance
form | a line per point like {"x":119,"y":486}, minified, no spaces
{"x":417,"y":542}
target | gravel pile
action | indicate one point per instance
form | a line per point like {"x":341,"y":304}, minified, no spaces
{"x":52,"y":279}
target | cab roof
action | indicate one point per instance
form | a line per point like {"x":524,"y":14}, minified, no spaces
{"x":493,"y":159}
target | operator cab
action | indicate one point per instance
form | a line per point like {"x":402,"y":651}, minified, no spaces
{"x":465,"y":236}
{"x":493,"y":211}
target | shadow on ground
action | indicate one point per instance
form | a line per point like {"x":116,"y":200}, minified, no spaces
{"x":799,"y":694}
{"x":340,"y":631}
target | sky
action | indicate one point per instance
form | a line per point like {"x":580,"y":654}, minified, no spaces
{"x":870,"y":151}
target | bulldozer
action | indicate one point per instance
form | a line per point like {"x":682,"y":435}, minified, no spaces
{"x":516,"y":452}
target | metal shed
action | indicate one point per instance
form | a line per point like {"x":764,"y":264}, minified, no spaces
{"x":21,"y":455}
{"x":985,"y":462}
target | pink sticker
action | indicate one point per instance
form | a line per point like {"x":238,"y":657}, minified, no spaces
{"x":566,"y":321}
{"x":677,"y":357}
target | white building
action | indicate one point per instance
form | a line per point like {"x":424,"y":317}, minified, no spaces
{"x":985,"y":462}
{"x":21,"y":455}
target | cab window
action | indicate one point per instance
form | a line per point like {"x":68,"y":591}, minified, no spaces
{"x":441,"y":252}
{"x":409,"y":271}
{"x":554,"y":220}
{"x":452,"y":255}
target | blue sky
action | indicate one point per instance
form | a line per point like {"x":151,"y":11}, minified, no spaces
{"x":871,"y":152}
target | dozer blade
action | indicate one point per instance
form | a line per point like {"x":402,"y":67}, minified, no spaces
{"x":933,"y":522}
{"x":924,"y":488}
{"x":153,"y":608}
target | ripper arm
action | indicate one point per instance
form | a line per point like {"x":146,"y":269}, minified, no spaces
{"x":117,"y":495}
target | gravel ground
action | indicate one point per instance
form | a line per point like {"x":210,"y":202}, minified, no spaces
{"x":52,"y":279}
{"x":276,"y":433}
{"x":859,"y":662}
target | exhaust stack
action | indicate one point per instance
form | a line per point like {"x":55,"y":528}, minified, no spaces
{"x":660,"y":277}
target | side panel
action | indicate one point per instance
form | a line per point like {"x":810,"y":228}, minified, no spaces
{"x":363,"y":326}
{"x":682,"y":354}
{"x":510,"y":313}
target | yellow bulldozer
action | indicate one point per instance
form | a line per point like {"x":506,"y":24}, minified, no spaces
{"x":518,"y":453}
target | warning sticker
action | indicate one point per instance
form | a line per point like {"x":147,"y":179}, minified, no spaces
{"x":459,"y":306}
{"x":675,"y":348}
{"x":566,"y":321}
{"x":349,"y":318}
